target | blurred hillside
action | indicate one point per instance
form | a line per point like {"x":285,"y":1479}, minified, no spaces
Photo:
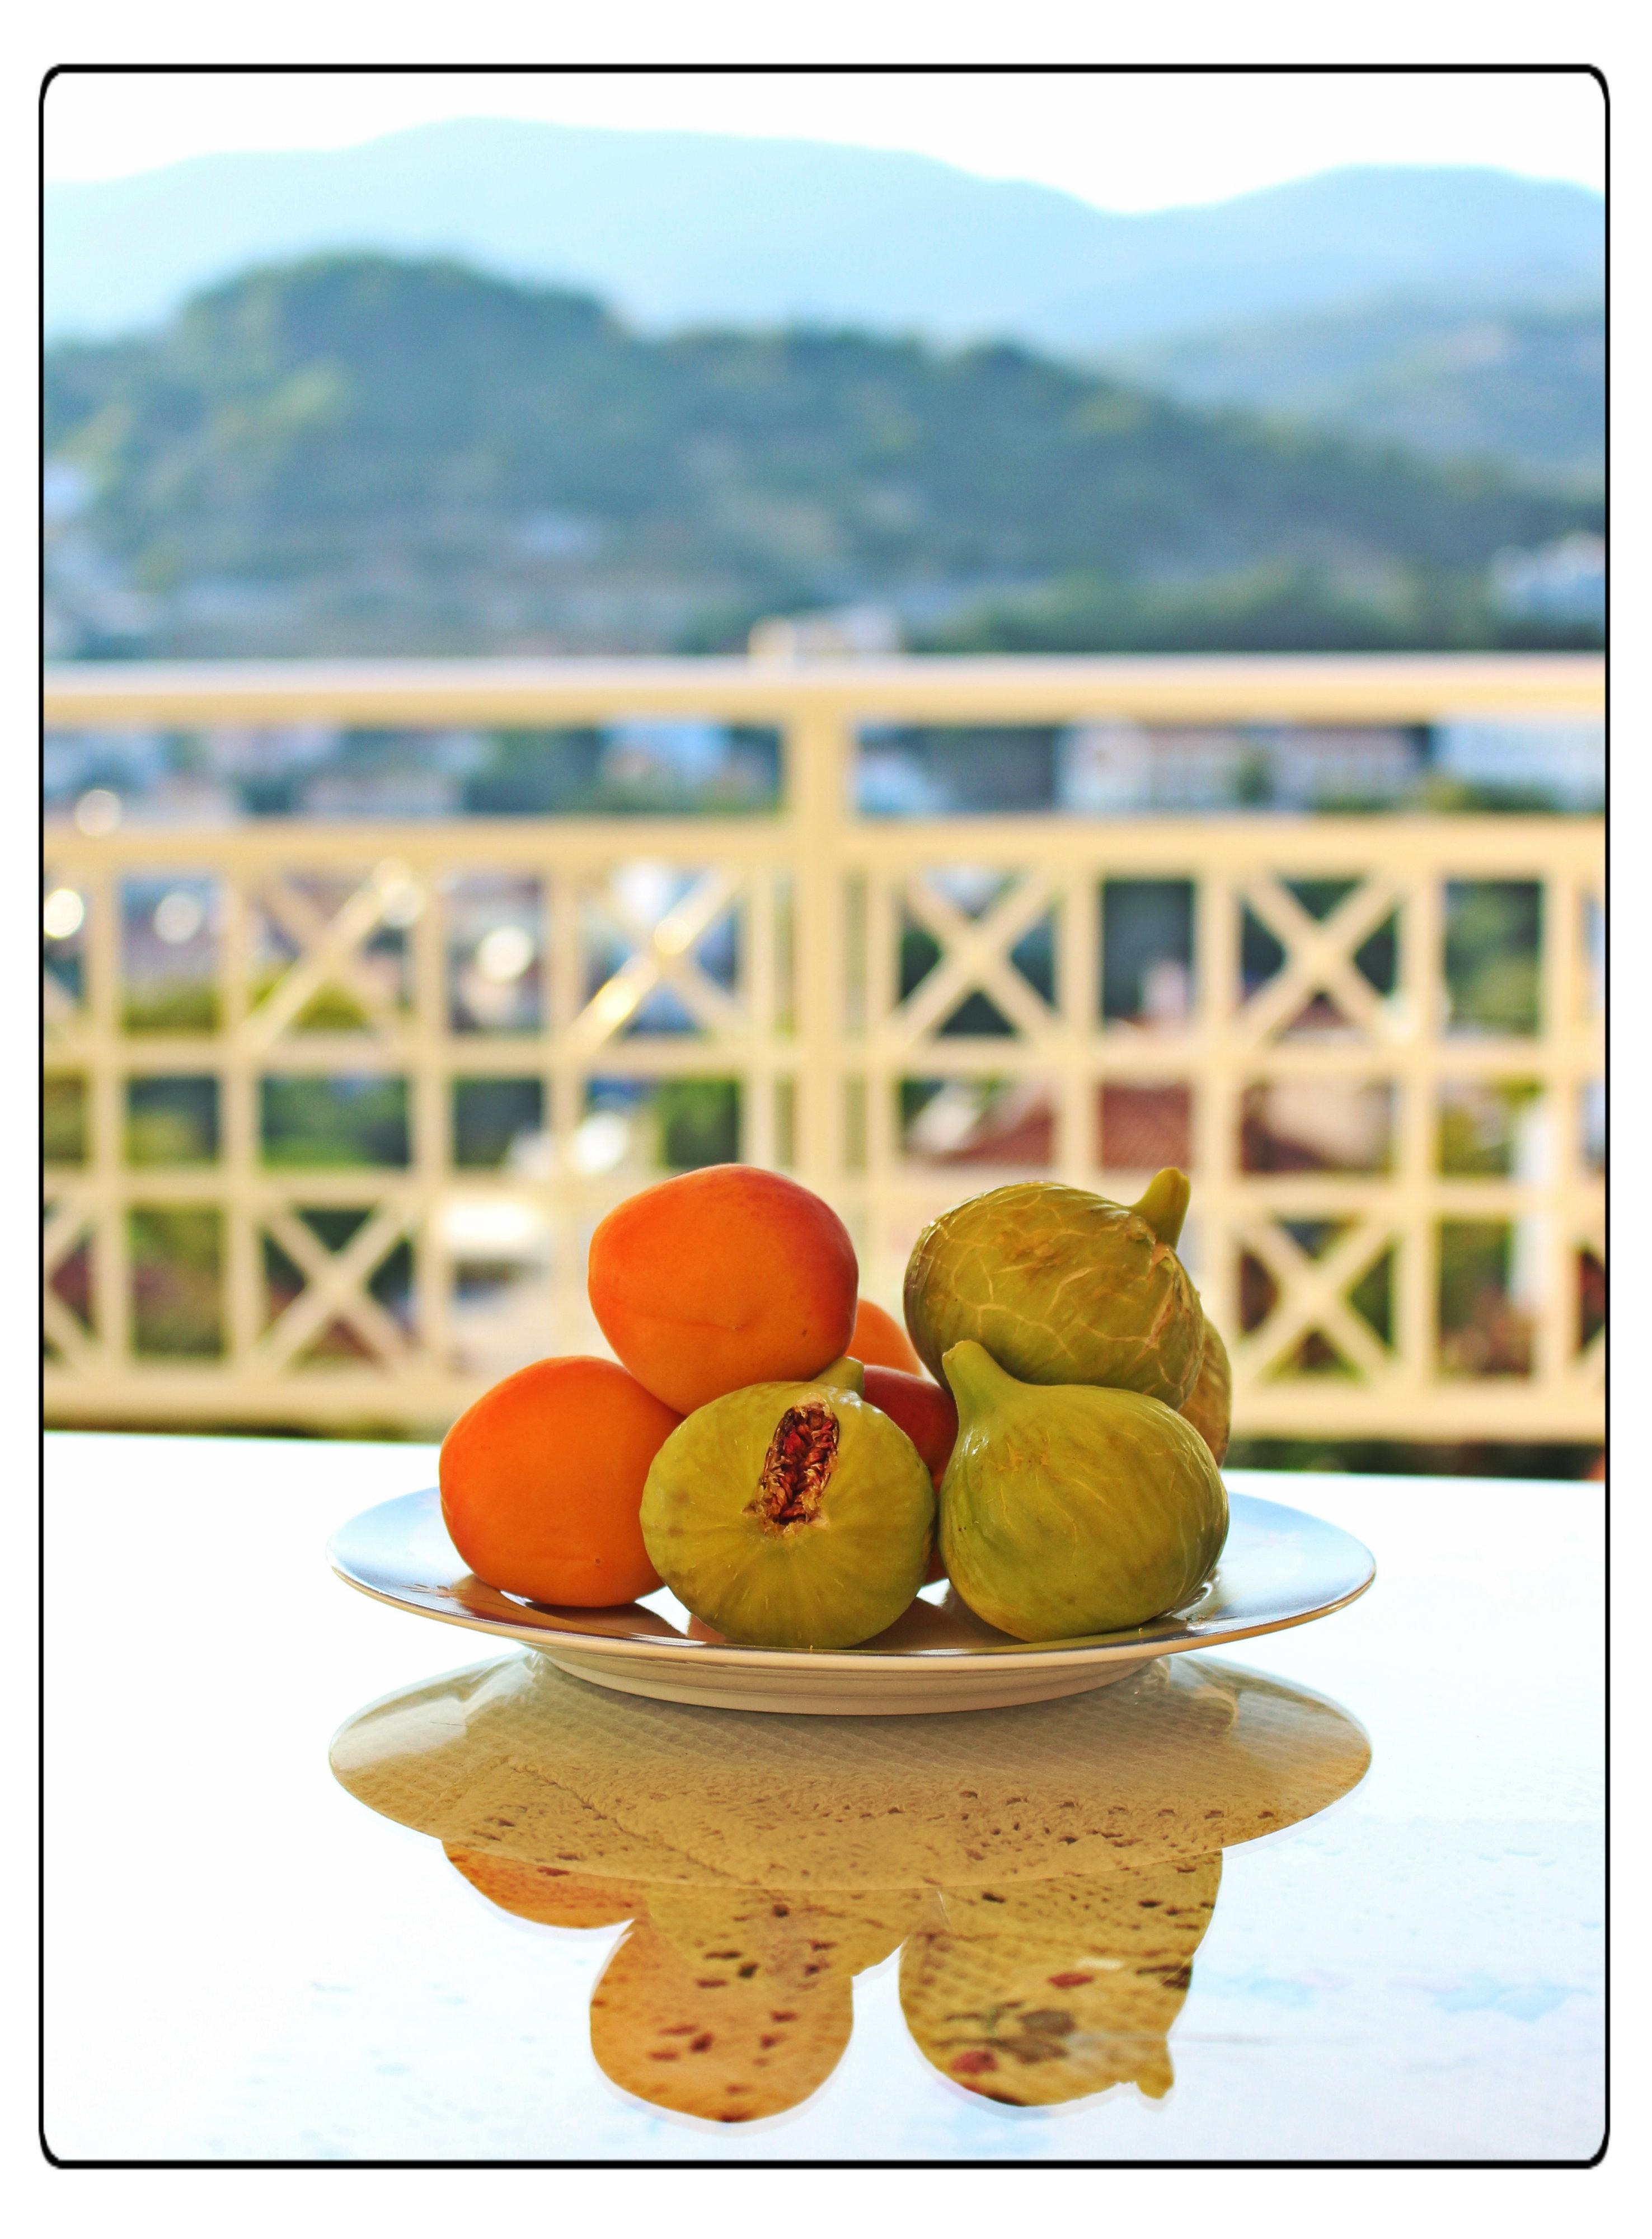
{"x":367,"y":454}
{"x":1524,"y":386}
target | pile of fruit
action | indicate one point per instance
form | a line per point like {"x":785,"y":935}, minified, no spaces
{"x":767,"y":1446}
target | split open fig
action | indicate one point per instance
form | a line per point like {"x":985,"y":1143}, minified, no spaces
{"x":791,"y":1515}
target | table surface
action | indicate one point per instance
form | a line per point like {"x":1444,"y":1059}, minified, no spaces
{"x":250,"y":1959}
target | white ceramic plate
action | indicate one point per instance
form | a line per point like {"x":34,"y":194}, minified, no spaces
{"x":1279,"y":1568}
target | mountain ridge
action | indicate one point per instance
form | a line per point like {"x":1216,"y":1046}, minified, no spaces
{"x":1522,"y":383}
{"x":685,"y":228}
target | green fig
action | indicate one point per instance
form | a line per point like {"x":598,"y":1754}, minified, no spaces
{"x":1072,"y":1510}
{"x":791,"y":1515}
{"x":1209,"y":1406}
{"x":1061,"y":1288}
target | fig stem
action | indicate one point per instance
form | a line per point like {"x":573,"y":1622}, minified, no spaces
{"x":844,"y":1374}
{"x":1163,"y":1204}
{"x":975,"y":1377}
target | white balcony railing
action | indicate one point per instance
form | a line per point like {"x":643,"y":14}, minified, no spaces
{"x":389,"y":1293}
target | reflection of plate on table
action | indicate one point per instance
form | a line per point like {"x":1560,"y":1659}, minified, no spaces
{"x":1279,"y":1568}
{"x":1049,"y":1873}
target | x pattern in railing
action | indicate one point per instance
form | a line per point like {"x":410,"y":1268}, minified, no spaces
{"x":837,"y":978}
{"x":1309,"y":1238}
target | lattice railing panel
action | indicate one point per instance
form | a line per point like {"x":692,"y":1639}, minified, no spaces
{"x":332,"y":1110}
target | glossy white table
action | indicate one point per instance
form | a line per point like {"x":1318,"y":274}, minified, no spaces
{"x":246,"y":1962}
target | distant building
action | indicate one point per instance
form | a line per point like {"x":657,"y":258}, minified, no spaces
{"x":1126,"y":769}
{"x":387,"y":794}
{"x":186,"y":797}
{"x":891,"y":782}
{"x":1322,"y":768}
{"x":89,"y":610}
{"x":129,"y":764}
{"x":836,"y":634}
{"x":1561,"y":582}
{"x":67,"y":488}
{"x":669,"y":750}
{"x":1559,"y":763}
{"x":1115,"y":769}
{"x":249,"y":753}
{"x":388,"y":773}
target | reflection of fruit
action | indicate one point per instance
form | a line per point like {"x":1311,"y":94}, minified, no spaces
{"x":1072,"y":1508}
{"x":1209,"y":1406}
{"x":549,"y":1895}
{"x":721,"y":1278}
{"x":791,"y":1515}
{"x":701,"y":2037}
{"x":1060,"y":1286}
{"x":785,"y":1934}
{"x":541,"y":1482}
{"x":880,"y":1342}
{"x":1037,"y":1993}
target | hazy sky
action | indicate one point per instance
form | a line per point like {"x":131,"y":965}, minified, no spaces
{"x":1126,"y":142}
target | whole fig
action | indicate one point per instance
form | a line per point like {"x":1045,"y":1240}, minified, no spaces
{"x":791,"y":1515}
{"x":1209,"y":1406}
{"x":1061,"y":1288}
{"x":1072,"y":1510}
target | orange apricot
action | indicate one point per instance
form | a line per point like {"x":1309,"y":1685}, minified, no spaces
{"x":927,"y":1412}
{"x":879,"y":1341}
{"x":541,"y":1482}
{"x":721,"y":1278}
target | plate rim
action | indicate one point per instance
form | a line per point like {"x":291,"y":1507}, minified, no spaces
{"x":709,"y":1654}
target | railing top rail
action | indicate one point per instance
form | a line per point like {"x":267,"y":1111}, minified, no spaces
{"x":1183,"y":688}
{"x":1455,"y":844}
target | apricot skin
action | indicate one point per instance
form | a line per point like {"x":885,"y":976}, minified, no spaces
{"x":721,"y":1278}
{"x":541,"y":1483}
{"x":927,"y":1412}
{"x":879,"y":1341}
